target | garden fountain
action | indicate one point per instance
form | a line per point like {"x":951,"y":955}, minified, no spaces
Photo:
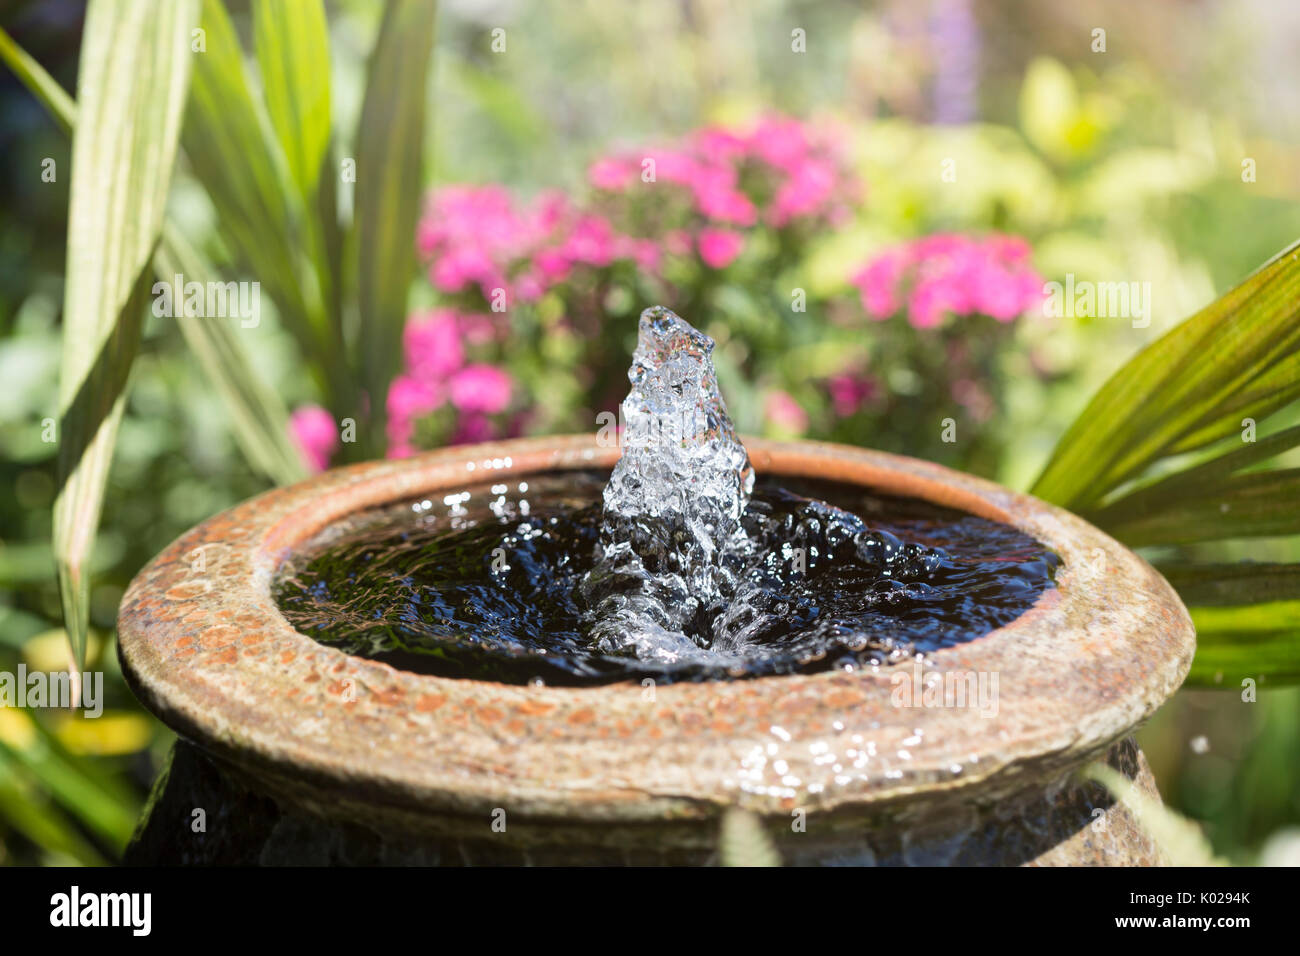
{"x":469,"y":657}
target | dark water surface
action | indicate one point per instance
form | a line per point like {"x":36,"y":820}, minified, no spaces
{"x":484,"y":584}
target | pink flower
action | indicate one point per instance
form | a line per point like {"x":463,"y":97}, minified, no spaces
{"x":471,"y":429}
{"x":719,"y":248}
{"x":314,"y":432}
{"x":410,"y":397}
{"x":552,"y":266}
{"x":591,"y":241}
{"x":674,"y":166}
{"x":483,"y":389}
{"x":849,"y":392}
{"x":717,"y":144}
{"x":612,"y":174}
{"x":808,"y":189}
{"x":780,"y":142}
{"x":432,"y":344}
{"x":782,"y":410}
{"x":678,"y":242}
{"x":718,"y":197}
{"x":950,"y":274}
{"x":878,"y":284}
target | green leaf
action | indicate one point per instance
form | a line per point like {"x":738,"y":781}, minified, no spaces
{"x":23,"y":807}
{"x":233,"y":154}
{"x":260,"y":421}
{"x":1259,"y":641}
{"x":292,"y":43}
{"x":1171,"y":396}
{"x":390,"y":144}
{"x":1256,"y":504}
{"x":132,"y":81}
{"x":1249,"y":582}
{"x":744,"y":841}
{"x":1197,"y":479}
{"x":91,"y":795}
{"x":258,"y":416}
{"x":33,"y":76}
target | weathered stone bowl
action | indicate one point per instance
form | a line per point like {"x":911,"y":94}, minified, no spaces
{"x":295,"y":752}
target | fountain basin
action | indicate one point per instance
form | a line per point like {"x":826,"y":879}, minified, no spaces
{"x":300,"y":753}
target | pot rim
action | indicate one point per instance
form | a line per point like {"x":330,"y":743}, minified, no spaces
{"x":204,"y":646}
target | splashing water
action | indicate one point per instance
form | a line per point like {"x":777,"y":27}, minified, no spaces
{"x":685,"y":568}
{"x":672,"y":545}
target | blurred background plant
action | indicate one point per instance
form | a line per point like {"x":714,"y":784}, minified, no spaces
{"x":864,"y":225}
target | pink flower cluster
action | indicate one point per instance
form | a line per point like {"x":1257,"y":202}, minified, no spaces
{"x":437,"y":372}
{"x":791,"y":169}
{"x":948,"y":274}
{"x":480,"y":236}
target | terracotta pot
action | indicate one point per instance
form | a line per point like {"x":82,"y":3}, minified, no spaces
{"x":296,"y":752}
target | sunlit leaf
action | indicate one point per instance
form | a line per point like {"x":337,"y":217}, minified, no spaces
{"x":132,"y":82}
{"x":101,"y":803}
{"x":1258,"y":641}
{"x":292,"y":43}
{"x":258,"y":416}
{"x":1256,"y":504}
{"x":1184,"y":382}
{"x":232,"y":151}
{"x":31,"y":815}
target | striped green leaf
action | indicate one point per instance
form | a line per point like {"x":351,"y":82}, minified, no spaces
{"x":390,"y":147}
{"x":1249,"y":582}
{"x":292,"y":44}
{"x":1253,"y":505}
{"x":1234,"y":359}
{"x":131,"y":88}
{"x":232,"y":151}
{"x":1259,"y":642}
{"x":258,"y":416}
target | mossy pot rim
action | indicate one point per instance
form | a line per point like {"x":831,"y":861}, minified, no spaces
{"x":205,"y":648}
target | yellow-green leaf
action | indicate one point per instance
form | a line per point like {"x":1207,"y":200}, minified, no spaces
{"x":292,"y":43}
{"x":1188,"y":380}
{"x":54,"y":97}
{"x":131,"y":88}
{"x":258,"y":416}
